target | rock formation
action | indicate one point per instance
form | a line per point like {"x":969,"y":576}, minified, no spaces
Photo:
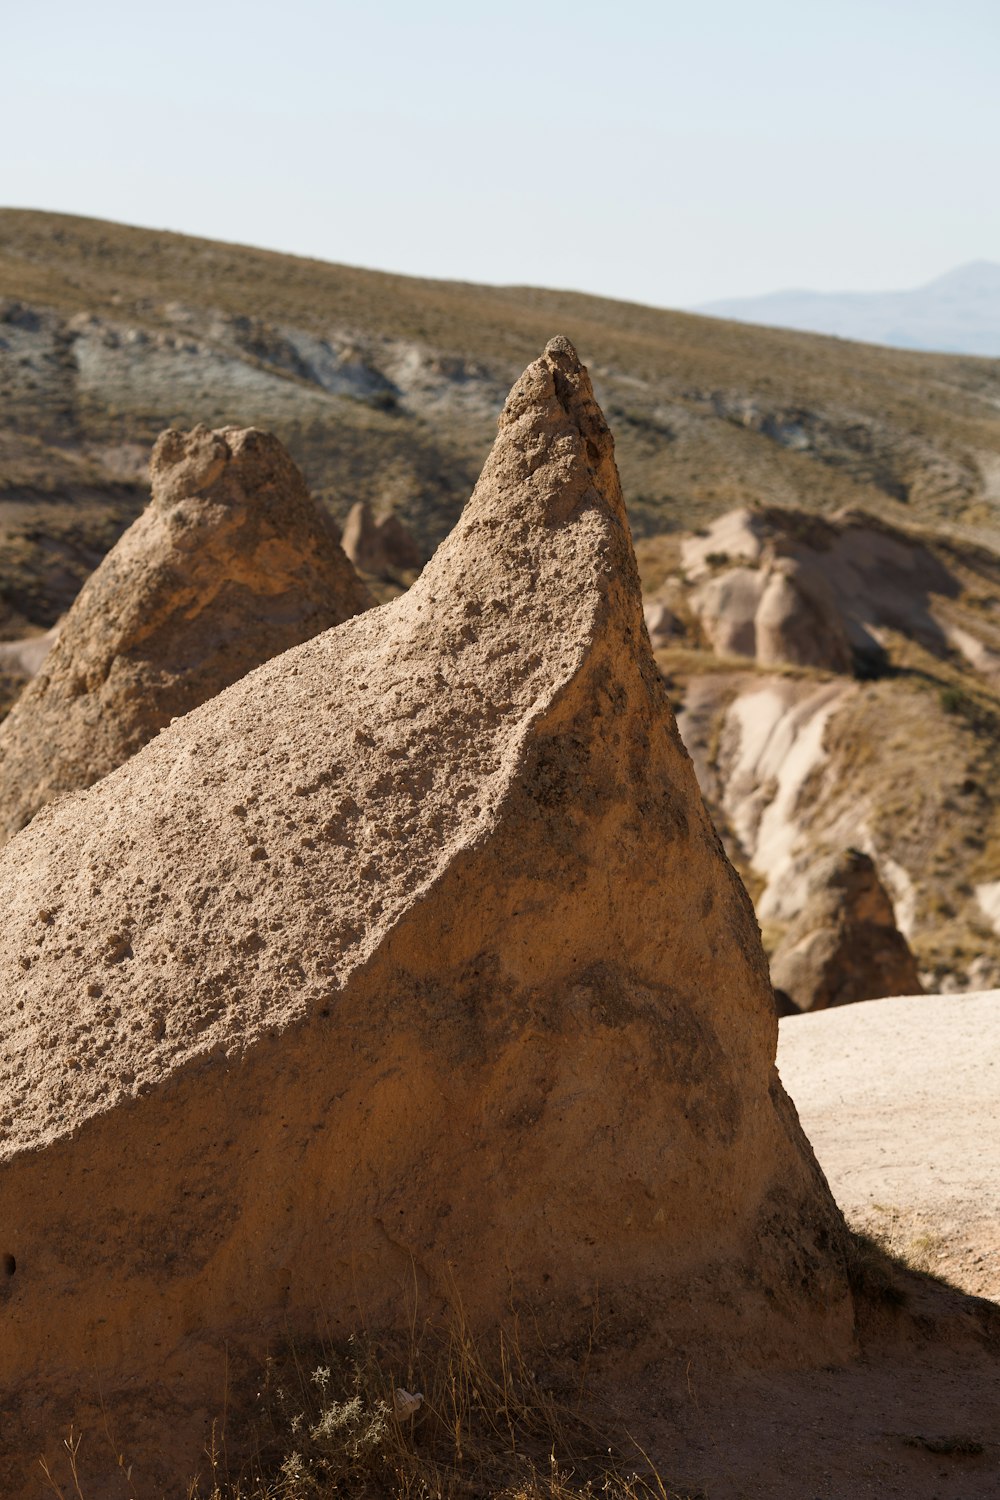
{"x":845,"y":944}
{"x":782,"y":586}
{"x":20,"y":660}
{"x":783,"y":611}
{"x":230,"y":564}
{"x":380,"y":545}
{"x":408,"y":967}
{"x":662,"y":623}
{"x":23,"y":658}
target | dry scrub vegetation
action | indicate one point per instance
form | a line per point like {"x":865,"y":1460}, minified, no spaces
{"x":495,"y":1422}
{"x":491,"y":1422}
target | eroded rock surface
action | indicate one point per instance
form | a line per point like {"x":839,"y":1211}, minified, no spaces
{"x":230,"y":564}
{"x":844,"y":945}
{"x":409,"y":967}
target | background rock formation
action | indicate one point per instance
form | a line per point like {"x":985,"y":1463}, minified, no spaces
{"x":20,"y":660}
{"x":410,"y":965}
{"x":815,"y":592}
{"x":878,"y":729}
{"x":845,"y":944}
{"x":231,"y":564}
{"x":379,"y":544}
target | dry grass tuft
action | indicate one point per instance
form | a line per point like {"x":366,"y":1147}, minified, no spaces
{"x":489,"y":1423}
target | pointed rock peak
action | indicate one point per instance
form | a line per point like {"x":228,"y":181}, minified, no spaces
{"x":551,"y":421}
{"x":231,"y":564}
{"x":414,"y":954}
{"x":187,"y":463}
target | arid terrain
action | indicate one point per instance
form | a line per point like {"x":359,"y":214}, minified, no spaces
{"x":387,"y":1042}
{"x":928,"y":1066}
{"x":386,"y":388}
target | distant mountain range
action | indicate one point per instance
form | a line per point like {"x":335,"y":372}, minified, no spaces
{"x":958,"y":313}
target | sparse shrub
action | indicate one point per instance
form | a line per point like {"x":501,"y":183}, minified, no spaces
{"x":487,"y":1425}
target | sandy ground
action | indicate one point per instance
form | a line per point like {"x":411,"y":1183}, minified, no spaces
{"x":901,"y":1100}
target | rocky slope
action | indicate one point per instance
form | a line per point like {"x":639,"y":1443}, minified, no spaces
{"x":408,"y":967}
{"x":840,"y":683}
{"x":231,"y":563}
{"x":385,"y":389}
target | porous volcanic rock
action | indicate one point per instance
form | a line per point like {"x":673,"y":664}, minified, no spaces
{"x":230,"y":564}
{"x":409,"y":969}
{"x":379,"y":544}
{"x":844,"y":945}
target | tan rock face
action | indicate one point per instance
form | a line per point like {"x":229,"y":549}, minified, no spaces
{"x":410,"y":966}
{"x":230,"y":564}
{"x":844,"y":946}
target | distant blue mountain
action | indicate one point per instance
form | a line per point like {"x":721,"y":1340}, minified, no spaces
{"x":958,"y":313}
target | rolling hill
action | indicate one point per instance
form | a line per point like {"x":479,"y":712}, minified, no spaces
{"x":386,"y":388}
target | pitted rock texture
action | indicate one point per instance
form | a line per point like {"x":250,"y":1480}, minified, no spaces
{"x":409,"y":967}
{"x":230,"y":564}
{"x":844,"y":945}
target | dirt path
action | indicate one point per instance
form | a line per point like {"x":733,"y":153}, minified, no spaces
{"x":901,"y":1100}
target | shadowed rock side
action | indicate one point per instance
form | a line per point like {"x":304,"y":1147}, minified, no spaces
{"x":410,"y":966}
{"x":844,"y":945}
{"x":230,"y":564}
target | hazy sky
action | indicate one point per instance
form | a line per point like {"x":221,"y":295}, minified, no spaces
{"x":669,"y":153}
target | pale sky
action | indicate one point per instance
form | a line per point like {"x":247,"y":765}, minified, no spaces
{"x":668,"y":153}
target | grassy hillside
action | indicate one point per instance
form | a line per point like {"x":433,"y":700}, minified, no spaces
{"x":386,"y":387}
